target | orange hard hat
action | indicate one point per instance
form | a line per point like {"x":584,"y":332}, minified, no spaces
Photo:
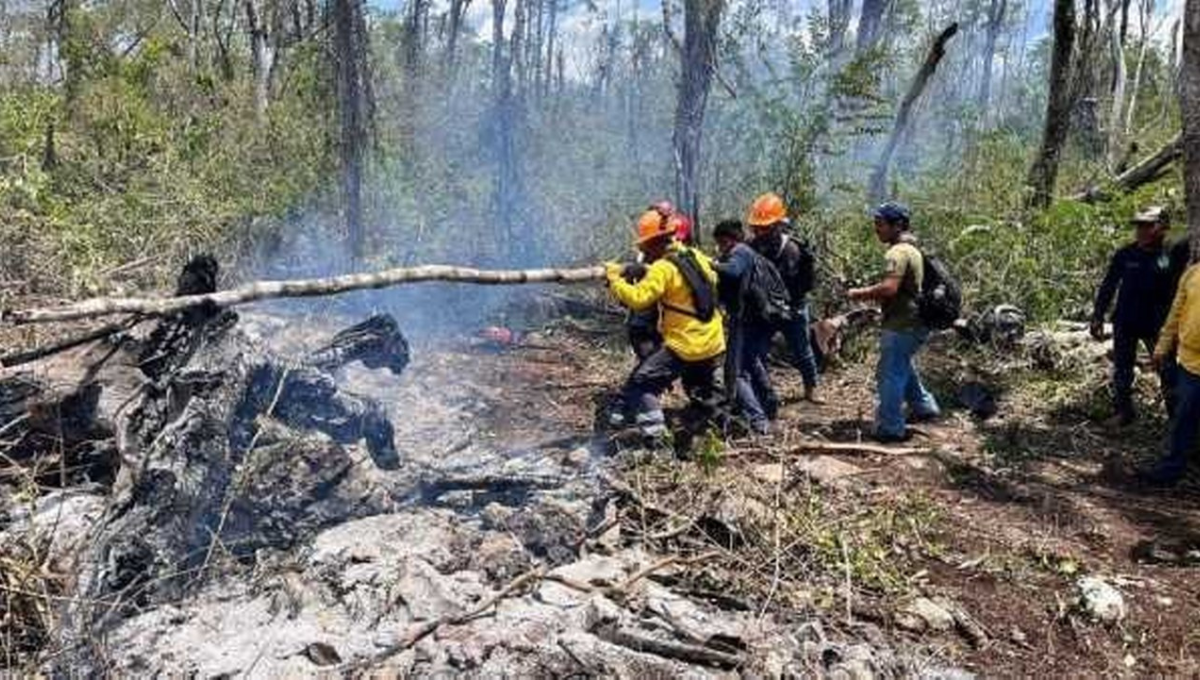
{"x":767,"y":210}
{"x":651,"y":225}
{"x":682,"y":226}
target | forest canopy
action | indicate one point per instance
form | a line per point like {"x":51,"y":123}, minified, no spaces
{"x":338,"y":135}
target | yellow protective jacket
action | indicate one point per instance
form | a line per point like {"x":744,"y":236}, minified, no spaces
{"x":688,"y":337}
{"x":1182,"y":328}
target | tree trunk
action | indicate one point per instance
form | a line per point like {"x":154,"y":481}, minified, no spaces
{"x":877,"y":190}
{"x":354,"y":113}
{"x":839,"y":23}
{"x":1086,"y":74}
{"x":869,"y":21}
{"x":552,"y":34}
{"x":458,"y":10}
{"x":1146,"y":14}
{"x":1116,"y":117}
{"x":1044,"y":172}
{"x":222,"y":37}
{"x":701,"y":19}
{"x":261,"y":58}
{"x":996,"y":15}
{"x":506,"y":181}
{"x":1189,"y":105}
{"x":268,"y":290}
{"x":1146,"y":171}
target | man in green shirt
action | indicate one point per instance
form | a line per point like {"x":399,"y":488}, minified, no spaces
{"x":903,"y":332}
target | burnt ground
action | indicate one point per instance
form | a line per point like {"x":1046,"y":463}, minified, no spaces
{"x":998,"y":518}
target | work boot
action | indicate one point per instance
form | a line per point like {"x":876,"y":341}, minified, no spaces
{"x":926,"y":417}
{"x":888,"y":438}
{"x":813,"y":397}
{"x":771,"y":408}
{"x":653,"y":424}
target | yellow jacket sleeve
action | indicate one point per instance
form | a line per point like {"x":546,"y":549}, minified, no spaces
{"x":645,"y":293}
{"x":1169,"y":335}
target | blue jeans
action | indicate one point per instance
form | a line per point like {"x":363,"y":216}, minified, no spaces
{"x":1185,"y":424}
{"x":795,"y":333}
{"x":898,"y":382}
{"x":755,"y":395}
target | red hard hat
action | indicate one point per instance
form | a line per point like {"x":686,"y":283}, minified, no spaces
{"x":682,"y":225}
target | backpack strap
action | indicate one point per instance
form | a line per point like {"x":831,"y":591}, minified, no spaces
{"x":701,"y":287}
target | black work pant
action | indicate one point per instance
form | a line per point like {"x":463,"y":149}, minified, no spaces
{"x":655,"y":374}
{"x":1125,"y":348}
{"x":644,"y":337}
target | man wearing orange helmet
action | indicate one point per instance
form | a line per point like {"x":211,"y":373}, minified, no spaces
{"x":681,"y":284}
{"x":794,"y":260}
{"x":642,"y":327}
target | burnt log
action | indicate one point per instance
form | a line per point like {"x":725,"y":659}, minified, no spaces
{"x":376,"y":342}
{"x":228,"y":451}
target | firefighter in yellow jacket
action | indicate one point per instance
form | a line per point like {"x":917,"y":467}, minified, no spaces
{"x":681,"y":282}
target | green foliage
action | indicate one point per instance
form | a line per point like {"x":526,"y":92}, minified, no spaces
{"x":710,"y":452}
{"x":872,"y":547}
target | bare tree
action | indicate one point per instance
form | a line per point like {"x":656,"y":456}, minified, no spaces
{"x":456,"y":14}
{"x":997,"y":11}
{"x":1189,"y":106}
{"x":506,"y":188}
{"x":551,"y":35}
{"x":355,"y":111}
{"x":700,"y":19}
{"x":224,"y":24}
{"x":1044,"y":172}
{"x":870,"y":19}
{"x":1145,"y":17}
{"x":189,"y":19}
{"x":878,"y":183}
{"x":839,"y":23}
{"x":1119,"y":82}
{"x":262,"y":55}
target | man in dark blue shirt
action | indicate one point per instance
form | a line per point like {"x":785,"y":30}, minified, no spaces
{"x":755,"y":300}
{"x":1142,"y":276}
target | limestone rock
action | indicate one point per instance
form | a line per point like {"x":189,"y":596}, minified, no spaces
{"x":1099,"y":600}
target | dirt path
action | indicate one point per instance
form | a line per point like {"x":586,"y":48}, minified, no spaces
{"x":1022,"y":506}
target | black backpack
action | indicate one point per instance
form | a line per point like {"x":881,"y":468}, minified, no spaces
{"x":764,"y":296}
{"x":806,"y":270}
{"x":704,"y":294}
{"x":940,"y":303}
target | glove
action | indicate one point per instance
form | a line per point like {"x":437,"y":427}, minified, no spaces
{"x":612,"y":270}
{"x":633,"y":272}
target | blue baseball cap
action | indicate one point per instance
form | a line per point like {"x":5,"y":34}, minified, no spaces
{"x":892,"y":212}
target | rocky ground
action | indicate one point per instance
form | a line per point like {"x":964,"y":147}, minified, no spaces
{"x":514,"y":539}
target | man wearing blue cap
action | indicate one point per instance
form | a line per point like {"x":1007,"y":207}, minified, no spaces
{"x":903,"y":331}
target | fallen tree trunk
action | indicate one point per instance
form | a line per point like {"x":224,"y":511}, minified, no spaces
{"x":1143,"y":173}
{"x":878,"y":183}
{"x":264,"y":290}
